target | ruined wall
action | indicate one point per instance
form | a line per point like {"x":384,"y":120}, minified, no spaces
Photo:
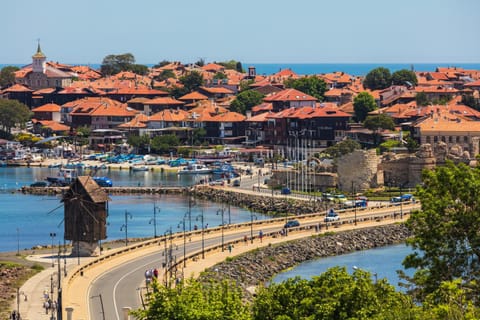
{"x":318,"y":181}
{"x":361,"y":168}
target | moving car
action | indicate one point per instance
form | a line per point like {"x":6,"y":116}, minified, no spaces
{"x":292,"y":224}
{"x":331,"y":216}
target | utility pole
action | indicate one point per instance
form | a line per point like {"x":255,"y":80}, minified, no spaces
{"x":125,"y":226}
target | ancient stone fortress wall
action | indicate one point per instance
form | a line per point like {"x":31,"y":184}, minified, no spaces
{"x":359,"y":169}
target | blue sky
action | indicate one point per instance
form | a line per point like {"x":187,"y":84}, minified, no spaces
{"x":260,"y":31}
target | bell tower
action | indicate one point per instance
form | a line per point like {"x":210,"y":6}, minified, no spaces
{"x":39,"y":60}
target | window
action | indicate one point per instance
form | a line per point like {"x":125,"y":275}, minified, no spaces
{"x":465,"y":139}
{"x":428,"y":140}
{"x":457,"y":139}
{"x":450,"y":139}
{"x":435,"y":139}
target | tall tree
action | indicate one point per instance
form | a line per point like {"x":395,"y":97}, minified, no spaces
{"x":378,"y":78}
{"x":343,"y":147}
{"x":245,"y":101}
{"x":113,"y":64}
{"x":377,"y":122}
{"x":192,"y":81}
{"x":12,"y":114}
{"x":312,"y":85}
{"x":362,"y":105}
{"x":404,"y":77}
{"x":446,"y":236}
{"x":7,"y":76}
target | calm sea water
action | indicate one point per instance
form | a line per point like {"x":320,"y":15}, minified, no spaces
{"x":356,"y":69}
{"x":28,"y":220}
{"x":382,"y":261}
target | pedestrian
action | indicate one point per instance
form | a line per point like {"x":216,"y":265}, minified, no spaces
{"x":245,"y":239}
{"x":46,"y":305}
{"x":155,"y":273}
{"x":230,"y":248}
{"x":260,"y":235}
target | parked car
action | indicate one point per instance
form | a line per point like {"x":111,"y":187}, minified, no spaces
{"x":286,"y":190}
{"x":331,"y":216}
{"x":292,"y":224}
{"x":236,"y":183}
{"x":217,"y":183}
{"x":403,"y":198}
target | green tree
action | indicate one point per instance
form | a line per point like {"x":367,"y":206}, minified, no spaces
{"x":342,"y":148}
{"x":200,"y":62}
{"x":377,"y":122}
{"x":401,"y":77}
{"x":421,"y":99}
{"x":378,"y":78}
{"x":113,"y":64}
{"x":312,"y":85}
{"x":139,"y":69}
{"x":12,"y":114}
{"x":220,"y":76}
{"x":335,"y":294}
{"x":165,"y":143}
{"x":140,"y":143}
{"x":245,"y":101}
{"x":162,"y":63}
{"x":198,"y":135}
{"x":7,"y":76}
{"x":166,"y":74}
{"x":238,"y":67}
{"x":192,"y":81}
{"x":362,"y":105}
{"x":192,"y":300}
{"x":232,"y":65}
{"x":445,"y":232}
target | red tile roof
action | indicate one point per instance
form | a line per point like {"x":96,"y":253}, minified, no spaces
{"x":217,"y":90}
{"x":17,"y":88}
{"x":169,"y":115}
{"x":164,"y":101}
{"x":289,"y":95}
{"x":50,"y":107}
{"x":195,"y":95}
{"x":228,"y":117}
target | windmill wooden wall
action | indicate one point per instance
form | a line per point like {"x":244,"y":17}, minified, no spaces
{"x":86,"y":205}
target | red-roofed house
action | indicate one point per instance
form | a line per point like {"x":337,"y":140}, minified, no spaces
{"x":50,"y":111}
{"x":290,"y":98}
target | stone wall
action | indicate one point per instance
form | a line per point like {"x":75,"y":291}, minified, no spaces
{"x":318,"y":181}
{"x":258,"y":266}
{"x":361,"y":167}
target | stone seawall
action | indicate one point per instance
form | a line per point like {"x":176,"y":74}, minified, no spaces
{"x":263,"y":203}
{"x":258,"y":266}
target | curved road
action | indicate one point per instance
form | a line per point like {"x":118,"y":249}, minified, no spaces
{"x":123,"y":285}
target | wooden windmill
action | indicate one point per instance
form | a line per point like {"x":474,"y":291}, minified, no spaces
{"x":86,"y":211}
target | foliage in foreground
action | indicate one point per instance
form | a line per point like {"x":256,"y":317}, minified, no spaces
{"x":446,"y":231}
{"x":335,"y":294}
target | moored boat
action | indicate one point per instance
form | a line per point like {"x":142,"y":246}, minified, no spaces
{"x":195,"y":168}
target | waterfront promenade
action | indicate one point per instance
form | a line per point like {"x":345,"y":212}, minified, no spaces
{"x":34,"y":288}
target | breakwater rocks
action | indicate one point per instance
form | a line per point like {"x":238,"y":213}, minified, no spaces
{"x":255,"y":267}
{"x":263,"y":203}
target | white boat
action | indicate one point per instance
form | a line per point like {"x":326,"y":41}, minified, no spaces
{"x":195,"y":168}
{"x":139,"y":168}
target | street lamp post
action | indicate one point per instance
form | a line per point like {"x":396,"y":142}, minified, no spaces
{"x":154,"y":219}
{"x":184,"y":241}
{"x":53,"y":235}
{"x":203,"y":235}
{"x":222,"y":212}
{"x":401,"y":202}
{"x":252,"y":215}
{"x":125,"y":226}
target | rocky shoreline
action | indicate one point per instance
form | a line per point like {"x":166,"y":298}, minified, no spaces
{"x":256,"y":267}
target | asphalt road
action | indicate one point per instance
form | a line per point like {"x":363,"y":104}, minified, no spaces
{"x":122,"y":286}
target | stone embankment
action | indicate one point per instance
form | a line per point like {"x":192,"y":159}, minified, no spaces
{"x":260,"y":203}
{"x":256,"y":267}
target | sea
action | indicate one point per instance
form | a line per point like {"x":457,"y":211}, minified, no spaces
{"x":354,"y":69}
{"x":29,"y":220}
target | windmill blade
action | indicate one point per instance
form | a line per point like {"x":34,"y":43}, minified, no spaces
{"x":51,"y":211}
{"x":63,"y":220}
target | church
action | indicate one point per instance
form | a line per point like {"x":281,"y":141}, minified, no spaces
{"x":41,"y":74}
